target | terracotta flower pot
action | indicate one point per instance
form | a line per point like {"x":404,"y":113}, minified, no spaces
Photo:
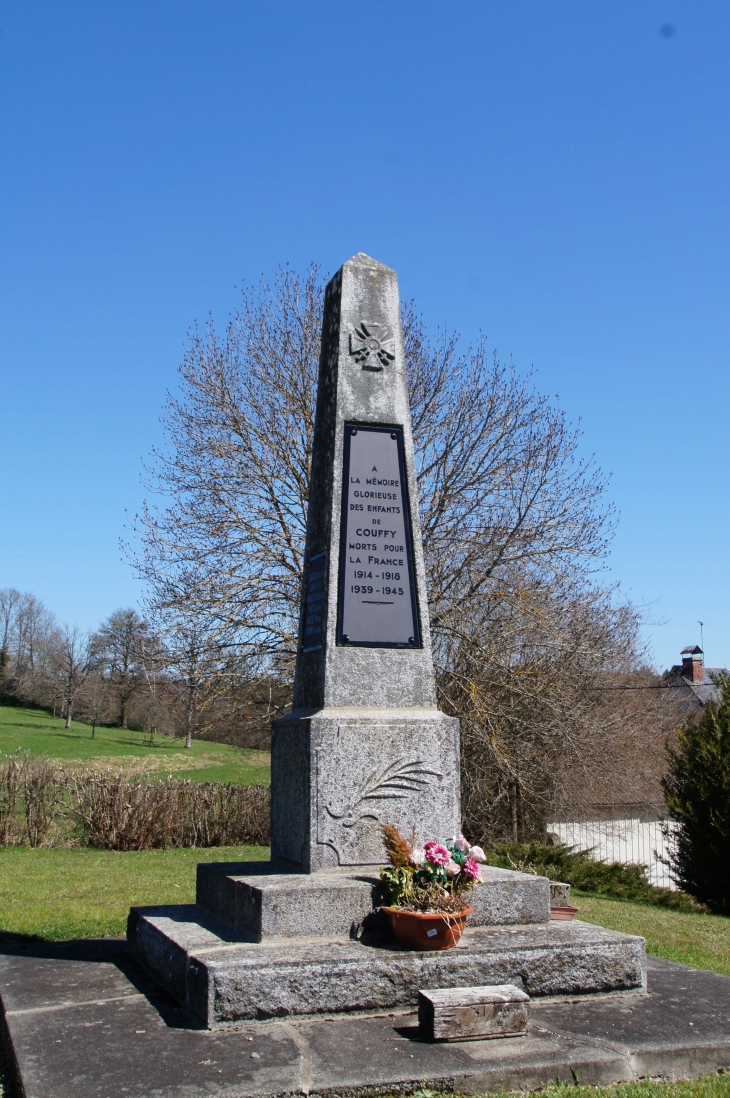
{"x":426,"y":930}
{"x":563,"y":914}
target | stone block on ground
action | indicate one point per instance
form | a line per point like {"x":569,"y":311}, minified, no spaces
{"x":559,"y":894}
{"x":461,"y":1013}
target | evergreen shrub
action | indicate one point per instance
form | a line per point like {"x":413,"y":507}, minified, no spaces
{"x":582,"y":871}
{"x":697,"y":790}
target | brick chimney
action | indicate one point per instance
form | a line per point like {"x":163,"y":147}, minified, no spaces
{"x":693,"y":664}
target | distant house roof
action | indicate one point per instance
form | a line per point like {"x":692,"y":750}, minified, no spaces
{"x":708,"y":691}
{"x":696,"y":678}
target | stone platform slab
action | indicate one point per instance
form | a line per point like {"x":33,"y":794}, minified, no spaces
{"x":223,"y":981}
{"x":258,"y":901}
{"x":82,"y":1018}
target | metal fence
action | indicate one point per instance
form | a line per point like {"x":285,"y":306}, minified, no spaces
{"x":621,"y":833}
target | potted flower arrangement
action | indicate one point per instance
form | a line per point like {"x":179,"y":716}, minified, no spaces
{"x":426,"y":889}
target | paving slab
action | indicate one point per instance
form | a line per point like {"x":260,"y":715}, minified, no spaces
{"x":82,"y":1018}
{"x":683,"y":1026}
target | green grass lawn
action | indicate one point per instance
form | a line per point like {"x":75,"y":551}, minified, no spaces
{"x":702,"y":941}
{"x":714,"y":1086}
{"x":57,"y":895}
{"x":38,"y":732}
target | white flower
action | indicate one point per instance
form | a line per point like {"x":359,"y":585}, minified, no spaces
{"x":418,"y":857}
{"x":452,"y":869}
{"x":460,"y":844}
{"x":477,"y":854}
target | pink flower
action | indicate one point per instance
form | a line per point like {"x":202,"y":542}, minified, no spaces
{"x":452,"y":869}
{"x":461,"y":844}
{"x":477,"y":854}
{"x":436,"y":854}
{"x":472,"y":870}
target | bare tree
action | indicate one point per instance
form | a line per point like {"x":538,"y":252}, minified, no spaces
{"x":152,"y":662}
{"x":27,"y":629}
{"x":236,"y":469}
{"x":36,"y":628}
{"x":203,"y":664}
{"x":529,"y":679}
{"x":93,"y":702}
{"x":72,"y":662}
{"x":503,"y":489}
{"x":514,"y":522}
{"x":10,"y":601}
{"x":118,"y":647}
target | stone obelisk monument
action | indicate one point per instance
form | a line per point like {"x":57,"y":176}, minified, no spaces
{"x":365,"y":743}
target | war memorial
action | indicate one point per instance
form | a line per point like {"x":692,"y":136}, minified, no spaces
{"x":283,"y":977}
{"x":365,"y":744}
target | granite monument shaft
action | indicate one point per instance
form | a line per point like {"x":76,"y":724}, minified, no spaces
{"x":365,"y":743}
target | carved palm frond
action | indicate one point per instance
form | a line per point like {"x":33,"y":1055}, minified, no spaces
{"x":394,"y":783}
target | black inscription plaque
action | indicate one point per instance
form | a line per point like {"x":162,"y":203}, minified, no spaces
{"x":377,"y":596}
{"x":314,"y":604}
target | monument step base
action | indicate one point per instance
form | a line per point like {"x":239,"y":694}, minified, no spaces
{"x":223,"y":980}
{"x":259,"y":901}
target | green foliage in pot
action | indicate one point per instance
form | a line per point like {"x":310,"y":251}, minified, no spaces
{"x":434,"y":878}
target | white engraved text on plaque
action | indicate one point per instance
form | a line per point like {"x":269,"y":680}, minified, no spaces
{"x":377,"y":605}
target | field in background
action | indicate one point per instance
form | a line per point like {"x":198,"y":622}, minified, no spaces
{"x":59,"y":895}
{"x":39,"y":733}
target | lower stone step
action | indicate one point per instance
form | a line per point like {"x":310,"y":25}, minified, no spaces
{"x":223,"y":980}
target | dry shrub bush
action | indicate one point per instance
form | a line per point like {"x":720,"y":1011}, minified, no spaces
{"x":44,"y":786}
{"x":10,"y":795}
{"x":116,"y":814}
{"x":32,"y":800}
{"x":41,"y":805}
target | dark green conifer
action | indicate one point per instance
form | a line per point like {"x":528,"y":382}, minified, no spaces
{"x":697,"y":788}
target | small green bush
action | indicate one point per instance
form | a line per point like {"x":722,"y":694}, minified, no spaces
{"x":578,"y":869}
{"x":697,"y":790}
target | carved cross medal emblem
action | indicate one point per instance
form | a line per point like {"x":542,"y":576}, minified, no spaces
{"x":372,"y":345}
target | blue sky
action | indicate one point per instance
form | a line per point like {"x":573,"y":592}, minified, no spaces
{"x":555,"y":175}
